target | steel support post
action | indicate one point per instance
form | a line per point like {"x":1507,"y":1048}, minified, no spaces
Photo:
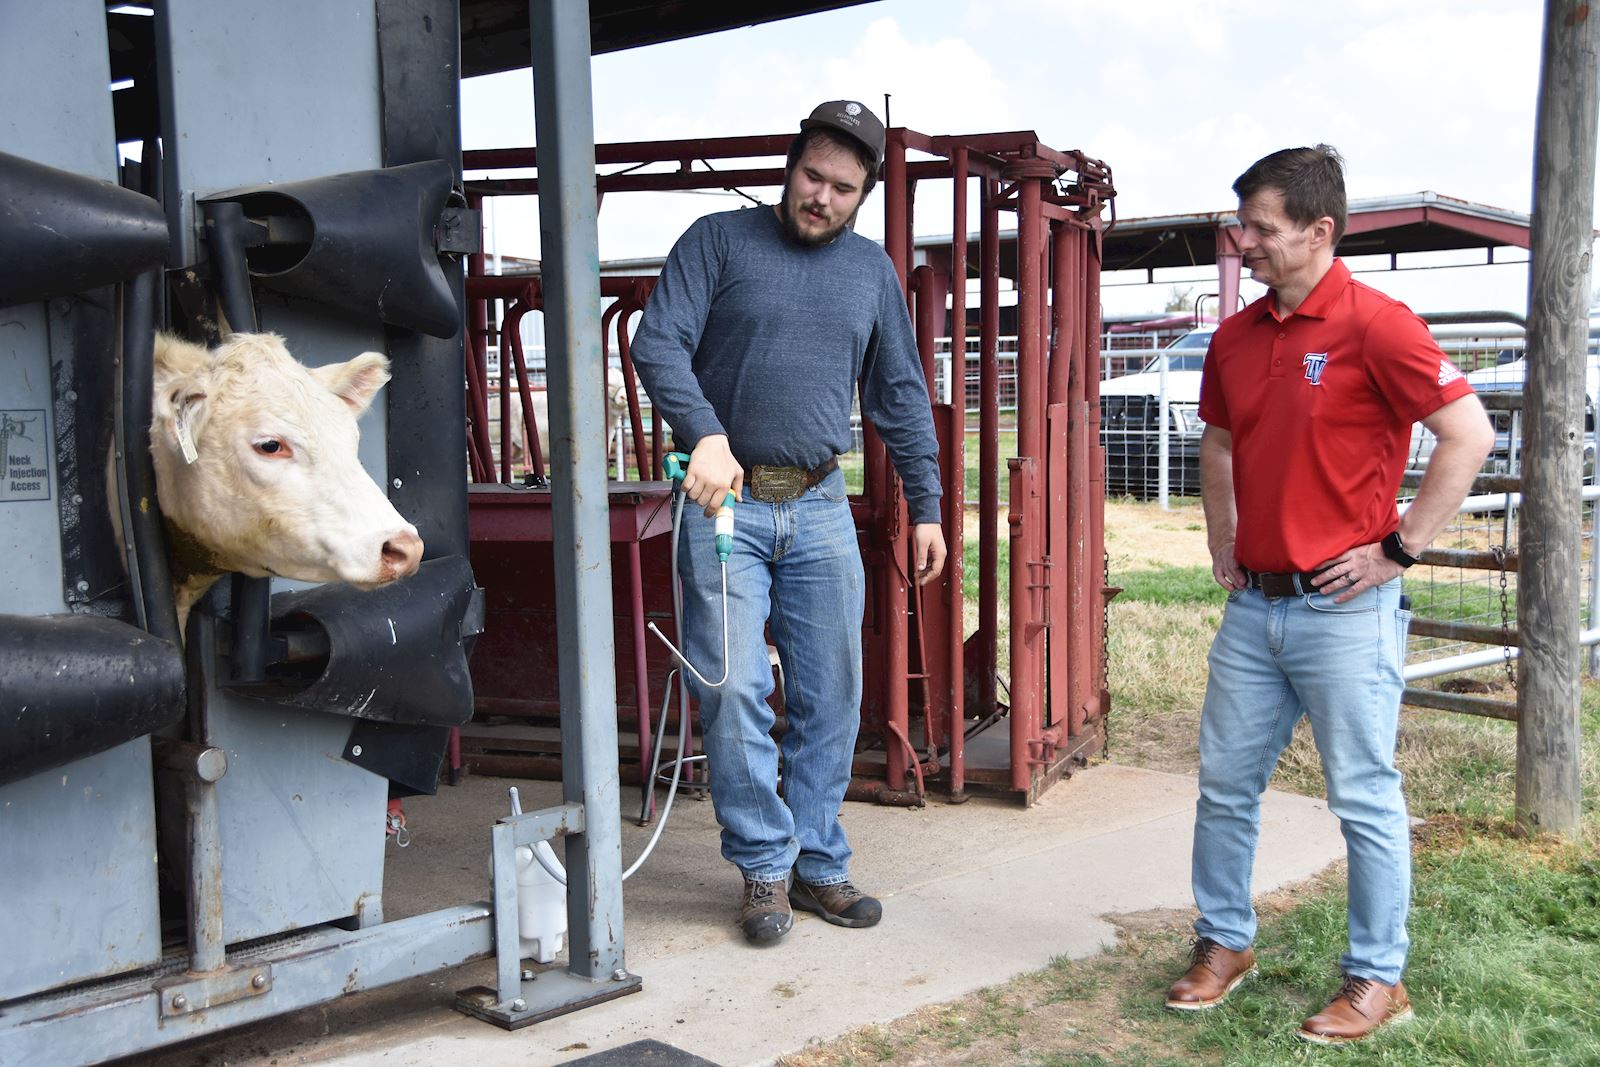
{"x":1026,"y":505}
{"x":563,"y":112}
{"x":988,"y":446}
{"x":1549,"y":737}
{"x":1096,"y":550}
{"x":954,"y":515}
{"x":1230,"y":262}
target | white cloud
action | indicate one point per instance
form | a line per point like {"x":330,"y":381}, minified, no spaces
{"x":1178,"y":96}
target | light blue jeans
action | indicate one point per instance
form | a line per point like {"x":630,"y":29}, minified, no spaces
{"x":1340,"y":665}
{"x":795,"y":567}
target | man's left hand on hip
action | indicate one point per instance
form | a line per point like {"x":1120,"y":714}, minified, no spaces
{"x":1363,"y":567}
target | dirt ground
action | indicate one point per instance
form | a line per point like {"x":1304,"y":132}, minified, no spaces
{"x":1143,"y":537}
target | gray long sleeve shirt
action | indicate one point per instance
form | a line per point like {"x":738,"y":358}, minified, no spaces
{"x":753,"y":335}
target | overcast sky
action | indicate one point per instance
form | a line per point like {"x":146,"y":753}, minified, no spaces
{"x":1177,"y":96}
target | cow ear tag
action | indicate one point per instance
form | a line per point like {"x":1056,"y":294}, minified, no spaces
{"x":180,"y":426}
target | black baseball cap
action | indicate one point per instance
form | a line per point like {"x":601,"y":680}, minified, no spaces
{"x":853,"y":118}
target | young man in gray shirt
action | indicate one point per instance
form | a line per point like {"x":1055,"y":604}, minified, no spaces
{"x":759,"y":331}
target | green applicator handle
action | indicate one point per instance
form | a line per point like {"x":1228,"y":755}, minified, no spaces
{"x":676,"y":464}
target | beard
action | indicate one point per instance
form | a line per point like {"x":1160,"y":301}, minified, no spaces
{"x":815,"y":239}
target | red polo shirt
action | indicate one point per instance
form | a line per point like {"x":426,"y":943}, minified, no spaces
{"x":1320,"y":405}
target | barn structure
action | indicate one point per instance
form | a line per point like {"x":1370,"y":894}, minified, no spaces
{"x":167,"y":179}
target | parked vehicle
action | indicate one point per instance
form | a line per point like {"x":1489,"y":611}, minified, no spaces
{"x":1510,"y":375}
{"x":1130,"y":417}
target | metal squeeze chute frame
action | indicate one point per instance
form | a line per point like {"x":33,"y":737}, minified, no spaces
{"x":253,"y":766}
{"x":935,"y":700}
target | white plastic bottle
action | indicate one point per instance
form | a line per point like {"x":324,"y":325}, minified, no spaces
{"x":541,"y":905}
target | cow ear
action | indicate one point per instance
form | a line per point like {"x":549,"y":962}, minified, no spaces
{"x":175,"y":357}
{"x":178,"y":411}
{"x":357,"y":381}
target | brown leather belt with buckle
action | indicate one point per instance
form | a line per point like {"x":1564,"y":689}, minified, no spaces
{"x":775,"y":485}
{"x":1273,"y":586}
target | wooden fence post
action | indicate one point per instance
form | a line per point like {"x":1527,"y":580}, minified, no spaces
{"x":1548,"y":587}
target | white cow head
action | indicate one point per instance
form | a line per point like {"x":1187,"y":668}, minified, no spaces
{"x":255,"y":459}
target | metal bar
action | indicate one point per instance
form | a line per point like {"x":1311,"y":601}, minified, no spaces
{"x":955,"y":515}
{"x":1508,"y":401}
{"x":1477,"y":561}
{"x":1434,"y":668}
{"x":533,"y":455}
{"x":508,"y":945}
{"x":1465,"y":631}
{"x":679,"y":180}
{"x":896,"y":594}
{"x":1463,"y":703}
{"x":207,"y":949}
{"x":145,"y":538}
{"x":929,"y":287}
{"x":641,"y":665}
{"x":112,"y":1020}
{"x":478,"y":408}
{"x":988,"y":445}
{"x":564,"y":110}
{"x":1096,"y":552}
{"x":1026,"y":507}
{"x":1593,"y":659}
{"x":679,"y":151}
{"x":515,"y":325}
{"x":644,"y":463}
{"x":1081,"y":596}
{"x":1483,"y":483}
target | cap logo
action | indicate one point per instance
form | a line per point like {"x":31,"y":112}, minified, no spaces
{"x":852,"y":109}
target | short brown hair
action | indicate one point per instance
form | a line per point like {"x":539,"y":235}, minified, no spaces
{"x":1310,"y":179}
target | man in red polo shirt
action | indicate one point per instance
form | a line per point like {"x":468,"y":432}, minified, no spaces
{"x":1309,"y":396}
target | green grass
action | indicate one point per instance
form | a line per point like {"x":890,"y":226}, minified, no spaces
{"x":1505,"y":959}
{"x":855,"y":476}
{"x":970,"y":571}
{"x":1169,"y":585}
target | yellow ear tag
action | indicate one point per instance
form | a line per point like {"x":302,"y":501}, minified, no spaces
{"x":180,"y":425}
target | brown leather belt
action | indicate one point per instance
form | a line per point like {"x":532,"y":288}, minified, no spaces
{"x":1293,"y":583}
{"x":775,"y":485}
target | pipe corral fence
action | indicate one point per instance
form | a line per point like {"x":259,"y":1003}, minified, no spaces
{"x":941,"y":711}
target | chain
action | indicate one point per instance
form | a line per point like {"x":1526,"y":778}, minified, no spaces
{"x":1505,"y":616}
{"x":1105,"y":645}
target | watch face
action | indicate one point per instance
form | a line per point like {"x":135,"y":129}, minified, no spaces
{"x":1395,"y":549}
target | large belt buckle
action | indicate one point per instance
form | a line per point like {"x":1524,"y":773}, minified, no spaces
{"x":775,"y":485}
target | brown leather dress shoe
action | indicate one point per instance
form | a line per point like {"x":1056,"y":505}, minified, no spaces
{"x":1213,"y":973}
{"x":1360,"y":1008}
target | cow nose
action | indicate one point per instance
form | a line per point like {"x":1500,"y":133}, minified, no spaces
{"x":401,"y":554}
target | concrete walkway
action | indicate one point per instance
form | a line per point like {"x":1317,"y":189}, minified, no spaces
{"x":973,"y":894}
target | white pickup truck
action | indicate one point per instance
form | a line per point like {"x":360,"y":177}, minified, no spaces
{"x":1130,"y":417}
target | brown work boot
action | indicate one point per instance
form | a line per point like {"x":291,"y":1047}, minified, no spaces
{"x":1360,"y":1008}
{"x":765,"y":916}
{"x":841,"y":903}
{"x":1213,"y":973}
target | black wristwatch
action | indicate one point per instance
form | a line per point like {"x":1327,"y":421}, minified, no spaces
{"x":1395,"y":550}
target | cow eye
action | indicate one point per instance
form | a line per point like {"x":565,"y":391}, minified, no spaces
{"x":275,"y":447}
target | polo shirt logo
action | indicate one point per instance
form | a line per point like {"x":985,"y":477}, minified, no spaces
{"x":1314,"y":363}
{"x":1447,"y":372}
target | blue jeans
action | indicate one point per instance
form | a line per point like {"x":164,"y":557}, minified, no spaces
{"x":1340,"y":665}
{"x":797,"y":566}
